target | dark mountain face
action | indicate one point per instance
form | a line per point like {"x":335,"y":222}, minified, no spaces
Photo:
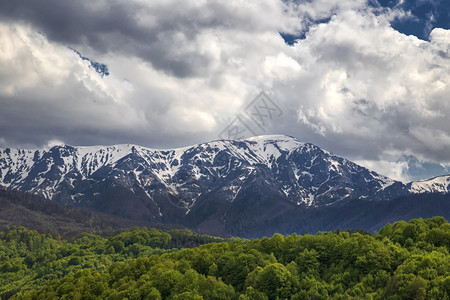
{"x":24,"y":209}
{"x":221,"y":186}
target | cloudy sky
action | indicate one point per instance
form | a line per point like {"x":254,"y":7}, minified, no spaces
{"x":366,"y":80}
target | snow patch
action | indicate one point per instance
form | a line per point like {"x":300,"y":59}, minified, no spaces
{"x":434,"y":185}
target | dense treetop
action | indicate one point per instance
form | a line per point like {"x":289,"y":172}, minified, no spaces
{"x":406,"y":260}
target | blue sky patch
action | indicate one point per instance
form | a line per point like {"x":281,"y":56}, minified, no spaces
{"x":426,"y":15}
{"x":100,"y":68}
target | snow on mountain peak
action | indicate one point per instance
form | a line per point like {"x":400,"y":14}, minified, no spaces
{"x":284,"y":141}
{"x":440,"y":184}
{"x":221,"y":178}
{"x":301,"y":172}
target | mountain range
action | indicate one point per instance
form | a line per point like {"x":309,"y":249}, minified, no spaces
{"x":245,"y":187}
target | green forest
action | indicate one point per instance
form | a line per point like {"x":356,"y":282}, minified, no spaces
{"x":405,"y":260}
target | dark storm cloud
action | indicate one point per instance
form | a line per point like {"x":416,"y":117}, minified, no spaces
{"x":111,"y":26}
{"x":160,"y":34}
{"x":72,"y":22}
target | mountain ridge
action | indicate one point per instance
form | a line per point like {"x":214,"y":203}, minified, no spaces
{"x":214,"y":184}
{"x":95,"y":157}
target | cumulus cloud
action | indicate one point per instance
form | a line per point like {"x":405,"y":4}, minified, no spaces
{"x":397,"y":170}
{"x":181,"y":71}
{"x":169,"y":35}
{"x":47,"y":91}
{"x":177,"y":70}
{"x":377,"y":87}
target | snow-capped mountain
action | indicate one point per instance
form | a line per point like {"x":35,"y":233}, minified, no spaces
{"x":209,"y":184}
{"x":440,"y":184}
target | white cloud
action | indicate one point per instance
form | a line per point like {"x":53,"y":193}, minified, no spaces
{"x":397,"y":170}
{"x":46,"y":90}
{"x":53,"y":143}
{"x":441,"y":38}
{"x":373,"y":85}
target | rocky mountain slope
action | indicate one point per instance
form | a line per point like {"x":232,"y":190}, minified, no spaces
{"x":215,"y":185}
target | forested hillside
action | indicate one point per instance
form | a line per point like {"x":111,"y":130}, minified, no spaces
{"x":30,"y":260}
{"x":46,"y":216}
{"x":403,"y":261}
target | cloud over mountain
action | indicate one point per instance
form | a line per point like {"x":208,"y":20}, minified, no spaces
{"x":181,"y":71}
